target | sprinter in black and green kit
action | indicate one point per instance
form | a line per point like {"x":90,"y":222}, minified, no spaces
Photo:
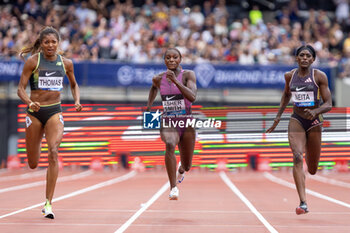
{"x":45,"y":70}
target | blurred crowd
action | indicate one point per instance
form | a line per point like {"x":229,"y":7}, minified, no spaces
{"x":118,"y":31}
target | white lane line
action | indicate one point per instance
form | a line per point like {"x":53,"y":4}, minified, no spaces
{"x":136,"y":225}
{"x":308,"y":191}
{"x":177,"y":226}
{"x":57,"y":224}
{"x":246,"y":227}
{"x":81,"y":191}
{"x":143,"y":208}
{"x":43,"y":182}
{"x":182,"y":211}
{"x":229,"y":183}
{"x":330,"y":181}
{"x":23,"y":176}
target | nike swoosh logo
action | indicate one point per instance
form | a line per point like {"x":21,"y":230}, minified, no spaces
{"x":169,"y":98}
{"x":49,"y":74}
{"x":299,"y":89}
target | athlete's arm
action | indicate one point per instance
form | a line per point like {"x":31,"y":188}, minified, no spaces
{"x":153,"y":92}
{"x":68,"y":64}
{"x":28,"y":68}
{"x":286,"y":95}
{"x":325,"y":94}
{"x":189,"y":89}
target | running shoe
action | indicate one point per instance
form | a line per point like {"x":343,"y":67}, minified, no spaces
{"x":179,"y":176}
{"x":174,"y":193}
{"x":302,"y":208}
{"x":47,"y":211}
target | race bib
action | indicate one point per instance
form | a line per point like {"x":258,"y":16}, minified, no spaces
{"x":50,"y":80}
{"x":174,"y":105}
{"x":28,"y":121}
{"x":61,"y":119}
{"x":303,"y":98}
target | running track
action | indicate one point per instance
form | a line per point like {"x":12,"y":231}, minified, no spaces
{"x":126,"y":201}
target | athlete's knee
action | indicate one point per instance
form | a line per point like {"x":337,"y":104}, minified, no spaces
{"x":312,"y":170}
{"x":297,"y":157}
{"x":170,"y":146}
{"x":32,"y":164}
{"x":186,"y":167}
{"x":53,"y":155}
{"x":53,"y":150}
{"x":33,"y":159}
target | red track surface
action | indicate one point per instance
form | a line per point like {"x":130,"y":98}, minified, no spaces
{"x":206,"y":204}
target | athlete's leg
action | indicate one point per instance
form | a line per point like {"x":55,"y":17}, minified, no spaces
{"x":313,"y":148}
{"x":186,"y":148}
{"x":34,"y":135}
{"x":170,"y":137}
{"x":53,"y":134}
{"x":297,"y":140}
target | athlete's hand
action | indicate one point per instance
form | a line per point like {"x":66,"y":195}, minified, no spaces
{"x":78,"y":107}
{"x":170,"y":75}
{"x":35,"y":106}
{"x":310,"y":113}
{"x":275,"y":123}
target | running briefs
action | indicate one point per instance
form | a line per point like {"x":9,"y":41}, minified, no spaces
{"x":308,"y":124}
{"x":45,"y":112}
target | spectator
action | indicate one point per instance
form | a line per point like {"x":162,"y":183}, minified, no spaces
{"x":346,"y":43}
{"x":207,"y":8}
{"x":342,"y":10}
{"x":220,"y":10}
{"x":255,"y":15}
{"x":113,"y":29}
{"x":344,"y":65}
{"x":197,"y":17}
{"x":232,"y":57}
{"x":32,"y":8}
{"x":246,"y":58}
{"x":83,"y":13}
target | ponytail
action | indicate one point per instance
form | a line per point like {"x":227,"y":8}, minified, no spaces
{"x":32,"y":49}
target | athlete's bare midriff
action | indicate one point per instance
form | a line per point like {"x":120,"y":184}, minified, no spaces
{"x":45,"y":97}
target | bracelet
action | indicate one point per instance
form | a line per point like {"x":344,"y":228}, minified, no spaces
{"x":30,"y":104}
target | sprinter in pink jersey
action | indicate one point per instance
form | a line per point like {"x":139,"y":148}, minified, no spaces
{"x":178,"y":90}
{"x":305,"y":86}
